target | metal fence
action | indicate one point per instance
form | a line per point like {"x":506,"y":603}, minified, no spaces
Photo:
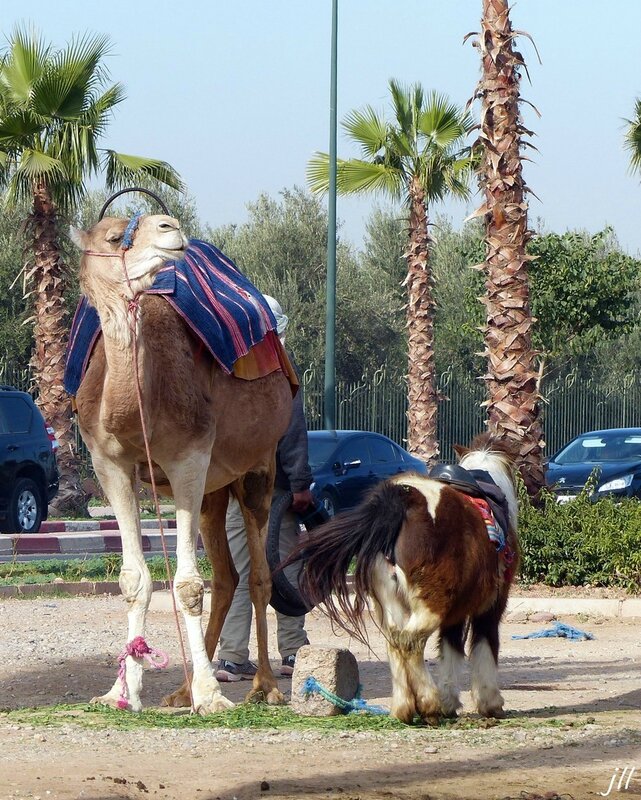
{"x":379,"y":403}
{"x":571,"y":405}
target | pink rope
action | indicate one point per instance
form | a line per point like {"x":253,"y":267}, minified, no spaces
{"x":137,"y":648}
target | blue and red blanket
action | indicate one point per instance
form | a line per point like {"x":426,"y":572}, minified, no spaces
{"x":222,"y":307}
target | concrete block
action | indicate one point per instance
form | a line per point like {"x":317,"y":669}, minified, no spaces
{"x":335,"y":669}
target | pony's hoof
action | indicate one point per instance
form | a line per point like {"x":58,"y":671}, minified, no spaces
{"x":178,"y":699}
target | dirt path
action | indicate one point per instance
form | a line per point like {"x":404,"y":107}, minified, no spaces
{"x":575,"y":718}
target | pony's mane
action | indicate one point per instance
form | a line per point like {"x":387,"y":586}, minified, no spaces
{"x":498,"y":456}
{"x":497,"y":445}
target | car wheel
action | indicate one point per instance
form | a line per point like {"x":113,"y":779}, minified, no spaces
{"x":24,"y":514}
{"x":328,"y":503}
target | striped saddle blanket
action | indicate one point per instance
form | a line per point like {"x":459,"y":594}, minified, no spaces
{"x":218,"y":303}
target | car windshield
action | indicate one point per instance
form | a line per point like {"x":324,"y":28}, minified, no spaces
{"x":599,"y":448}
{"x":320,"y":450}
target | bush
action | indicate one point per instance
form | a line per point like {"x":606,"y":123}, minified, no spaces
{"x":581,"y":542}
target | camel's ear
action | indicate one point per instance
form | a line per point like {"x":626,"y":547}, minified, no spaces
{"x":78,"y":237}
{"x":461,"y":451}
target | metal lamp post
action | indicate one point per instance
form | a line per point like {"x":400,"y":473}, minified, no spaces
{"x":330,"y":314}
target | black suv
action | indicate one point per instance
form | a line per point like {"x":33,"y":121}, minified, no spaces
{"x":28,"y":470}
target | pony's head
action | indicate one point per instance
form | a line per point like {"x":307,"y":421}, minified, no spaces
{"x":498,"y":456}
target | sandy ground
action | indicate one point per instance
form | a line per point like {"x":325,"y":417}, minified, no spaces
{"x":64,"y":651}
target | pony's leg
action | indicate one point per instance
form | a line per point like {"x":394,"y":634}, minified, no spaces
{"x":407,"y":624}
{"x":187,"y":479}
{"x":484,"y":663}
{"x":451,"y":653}
{"x":225,"y":578}
{"x":118,"y":482}
{"x":254,"y":493}
{"x":414,"y":693}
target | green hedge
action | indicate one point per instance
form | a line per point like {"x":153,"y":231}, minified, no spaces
{"x":581,"y":542}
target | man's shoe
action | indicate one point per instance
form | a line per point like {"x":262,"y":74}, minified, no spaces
{"x":287,"y":667}
{"x":229,"y":672}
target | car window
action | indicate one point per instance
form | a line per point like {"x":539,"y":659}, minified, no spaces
{"x":382,"y":452}
{"x":15,"y":415}
{"x":354,"y":450}
{"x":320,"y":451}
{"x":598,"y":449}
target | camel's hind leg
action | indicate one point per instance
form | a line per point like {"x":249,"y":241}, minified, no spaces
{"x":225,"y":578}
{"x":254,"y":493}
{"x":117,"y":481}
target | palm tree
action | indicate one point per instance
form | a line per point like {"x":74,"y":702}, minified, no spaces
{"x":632,"y":139}
{"x":418,"y":158}
{"x":513,"y":377}
{"x":54,"y":108}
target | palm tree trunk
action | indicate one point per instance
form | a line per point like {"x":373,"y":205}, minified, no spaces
{"x":512,"y":380}
{"x":422,"y":409}
{"x":48,"y":360}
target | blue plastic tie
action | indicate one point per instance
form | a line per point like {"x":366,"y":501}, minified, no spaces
{"x":128,"y":235}
{"x":312,"y":686}
{"x":557,"y":629}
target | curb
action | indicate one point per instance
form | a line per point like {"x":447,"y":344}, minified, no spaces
{"x":82,"y":543}
{"x":81,"y":525}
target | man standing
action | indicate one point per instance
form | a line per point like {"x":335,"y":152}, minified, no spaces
{"x":294,"y":475}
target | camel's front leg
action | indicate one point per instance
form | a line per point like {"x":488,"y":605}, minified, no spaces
{"x":187,"y":479}
{"x":225,"y":577}
{"x":118,"y":482}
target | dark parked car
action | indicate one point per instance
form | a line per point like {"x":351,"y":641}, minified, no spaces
{"x":28,"y":469}
{"x":615,"y":453}
{"x":346,"y":464}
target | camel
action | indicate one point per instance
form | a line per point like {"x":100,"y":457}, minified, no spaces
{"x":209,"y":434}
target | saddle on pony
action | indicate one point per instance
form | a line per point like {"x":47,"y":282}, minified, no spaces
{"x":480,"y":488}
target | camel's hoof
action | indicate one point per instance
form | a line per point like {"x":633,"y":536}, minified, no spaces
{"x":493,"y":713}
{"x":114,"y":702}
{"x":178,"y":699}
{"x":276,"y":697}
{"x":214,"y":706}
{"x":273,"y":697}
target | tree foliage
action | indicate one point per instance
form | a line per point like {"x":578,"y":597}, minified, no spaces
{"x":582,"y":288}
{"x":283,"y":249}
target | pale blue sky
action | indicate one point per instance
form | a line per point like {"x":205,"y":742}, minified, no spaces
{"x":236,"y":94}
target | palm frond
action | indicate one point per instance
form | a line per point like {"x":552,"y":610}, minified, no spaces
{"x":36,"y":165}
{"x":318,"y":173}
{"x":355,"y":176}
{"x":402,"y":105}
{"x":122,"y":170}
{"x":442,"y":122}
{"x":632,"y":139}
{"x":71,"y":78}
{"x":367,"y":129}
{"x":23,"y":65}
{"x":17,"y":127}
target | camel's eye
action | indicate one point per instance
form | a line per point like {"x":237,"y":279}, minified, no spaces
{"x":166,"y":226}
{"x":113,"y":235}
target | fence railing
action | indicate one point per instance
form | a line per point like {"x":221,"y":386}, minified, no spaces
{"x":378,"y":402}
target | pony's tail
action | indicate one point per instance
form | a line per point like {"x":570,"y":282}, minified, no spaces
{"x":358,"y":536}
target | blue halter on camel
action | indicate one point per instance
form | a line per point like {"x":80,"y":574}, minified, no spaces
{"x":218,"y":303}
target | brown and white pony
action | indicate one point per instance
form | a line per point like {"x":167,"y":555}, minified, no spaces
{"x":423,"y":557}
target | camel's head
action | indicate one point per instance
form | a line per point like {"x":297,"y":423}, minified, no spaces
{"x":156,"y":239}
